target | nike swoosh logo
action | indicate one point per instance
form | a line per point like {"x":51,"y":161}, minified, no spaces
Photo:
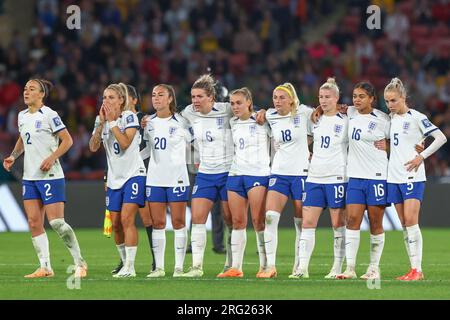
{"x":338,"y":201}
{"x":179,"y":195}
{"x":132,"y":198}
{"x":408,"y":193}
{"x":46,"y":199}
{"x":378,"y":199}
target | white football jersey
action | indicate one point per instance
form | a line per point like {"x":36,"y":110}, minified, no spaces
{"x":329,"y":160}
{"x":168,"y":139}
{"x":407,"y":130}
{"x":290,"y":138}
{"x":122,"y":164}
{"x":365,"y":161}
{"x":39,"y":135}
{"x":213,"y":136}
{"x":251,"y":147}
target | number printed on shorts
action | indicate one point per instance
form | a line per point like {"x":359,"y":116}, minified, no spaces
{"x":339,"y":192}
{"x":379,"y":190}
{"x":47,"y":187}
{"x":135,"y":189}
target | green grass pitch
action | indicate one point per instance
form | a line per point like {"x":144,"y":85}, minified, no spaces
{"x":17,"y":258}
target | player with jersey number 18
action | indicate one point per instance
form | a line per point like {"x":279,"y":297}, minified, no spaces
{"x":406,"y":170}
{"x":41,"y":130}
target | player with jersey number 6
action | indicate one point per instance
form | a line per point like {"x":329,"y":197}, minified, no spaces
{"x":326,"y":184}
{"x":248,"y":179}
{"x":117,"y":129}
{"x":41,"y":131}
{"x":289,"y":121}
{"x":406,"y":170}
{"x":168,"y":136}
{"x":367,"y":172}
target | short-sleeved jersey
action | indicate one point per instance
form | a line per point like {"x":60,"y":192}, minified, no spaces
{"x":122,"y":164}
{"x":365,"y":161}
{"x":168,"y":139}
{"x":38,"y":131}
{"x":251,"y":147}
{"x":290,"y":138}
{"x":406,"y":131}
{"x":213,"y":137}
{"x":329,"y":160}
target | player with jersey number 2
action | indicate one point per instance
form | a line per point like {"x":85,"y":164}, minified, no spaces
{"x":41,"y":130}
{"x":406,"y":170}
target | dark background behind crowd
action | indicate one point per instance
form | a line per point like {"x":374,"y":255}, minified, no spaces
{"x":253,"y":43}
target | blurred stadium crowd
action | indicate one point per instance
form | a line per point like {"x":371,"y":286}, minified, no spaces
{"x":257,"y":44}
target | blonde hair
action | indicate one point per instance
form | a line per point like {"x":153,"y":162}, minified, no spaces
{"x":396,"y":85}
{"x":246,"y":93}
{"x":122,"y":91}
{"x":331,"y":85}
{"x":207,"y":83}
{"x":171,"y":92}
{"x":289,"y":89}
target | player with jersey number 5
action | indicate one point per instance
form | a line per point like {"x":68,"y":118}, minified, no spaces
{"x":326,"y":184}
{"x":41,"y":131}
{"x":289,"y":121}
{"x":406,"y":170}
{"x":367,"y":171}
{"x":168,"y":136}
{"x":117,"y":129}
{"x":248,"y":179}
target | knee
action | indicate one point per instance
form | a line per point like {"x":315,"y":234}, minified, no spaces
{"x":59,"y":225}
{"x":178,"y":223}
{"x":352,"y":222}
{"x":127,"y":222}
{"x":35,"y":223}
{"x":117,"y":226}
{"x":258,"y":223}
{"x":239,"y":224}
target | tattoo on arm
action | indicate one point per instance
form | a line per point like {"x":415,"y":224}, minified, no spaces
{"x":16,"y":153}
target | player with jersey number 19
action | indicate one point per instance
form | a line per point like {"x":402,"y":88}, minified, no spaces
{"x":41,"y":130}
{"x":117,"y":129}
{"x":168,"y":136}
{"x":406,"y":170}
{"x":367,"y":172}
{"x":326,"y":184}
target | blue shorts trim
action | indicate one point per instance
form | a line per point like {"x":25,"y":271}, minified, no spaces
{"x":133,"y":191}
{"x":48,"y":191}
{"x":167,"y":194}
{"x":290,"y":186}
{"x":243,"y":184}
{"x":210,"y":186}
{"x":325,"y":195}
{"x":399,"y":192}
{"x":367,"y":191}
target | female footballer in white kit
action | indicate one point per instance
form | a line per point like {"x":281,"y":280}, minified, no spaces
{"x":41,"y":130}
{"x":210,"y":122}
{"x":289,"y":121}
{"x":248,"y":179}
{"x":406,"y":170}
{"x":326,"y":183}
{"x":367,"y":172}
{"x":117,"y":129}
{"x":168,"y":136}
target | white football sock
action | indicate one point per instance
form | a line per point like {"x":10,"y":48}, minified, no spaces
{"x":306,"y":247}
{"x":238,"y":242}
{"x":41,"y":247}
{"x":122,"y":253}
{"x":298,"y":233}
{"x":261,"y":249}
{"x":415,"y":246}
{"x":228,"y":249}
{"x":131,"y":256}
{"x":352,"y":238}
{"x":376,"y":249}
{"x":198,"y":242}
{"x":159,"y":247}
{"x":180,"y":247}
{"x":339,"y":248}
{"x":406,"y":242}
{"x":69,"y":238}
{"x":271,"y":236}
